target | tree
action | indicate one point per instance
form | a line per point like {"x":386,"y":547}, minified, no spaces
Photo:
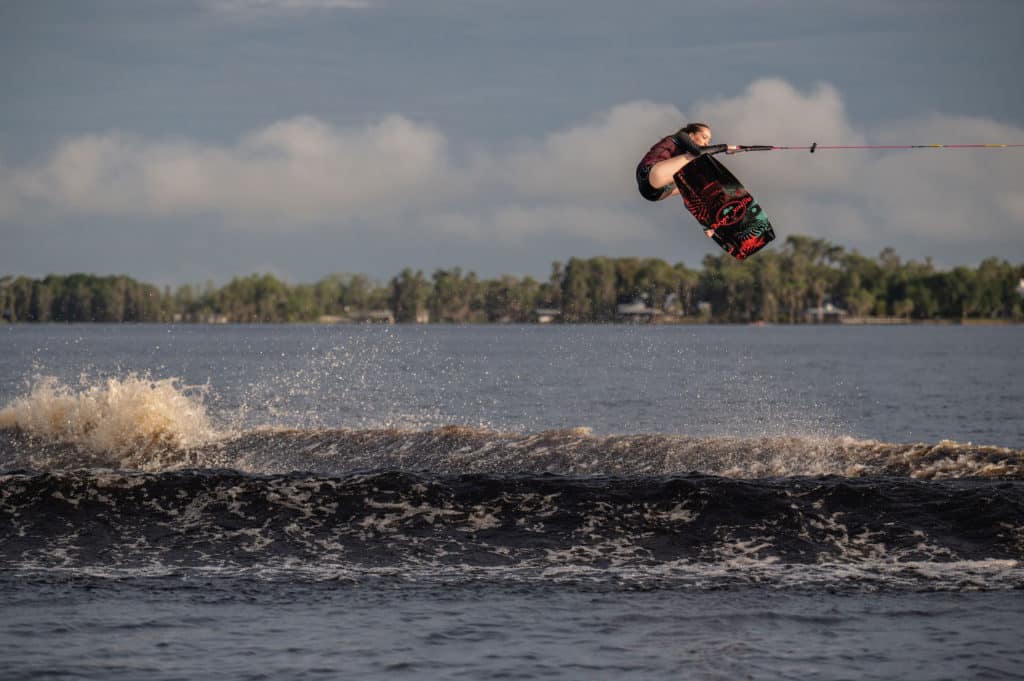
{"x":687,"y":281}
{"x":455,"y":298}
{"x":409,"y":294}
{"x":767,"y":279}
{"x":576,"y":305}
{"x":41,"y":304}
{"x":601,"y":289}
{"x":777,"y":285}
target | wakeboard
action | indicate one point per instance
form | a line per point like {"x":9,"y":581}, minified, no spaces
{"x":728,"y":212}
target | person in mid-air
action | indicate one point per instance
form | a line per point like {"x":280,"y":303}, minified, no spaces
{"x":655,"y":176}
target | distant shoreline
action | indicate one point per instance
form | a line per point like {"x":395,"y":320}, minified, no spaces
{"x":802,"y":280}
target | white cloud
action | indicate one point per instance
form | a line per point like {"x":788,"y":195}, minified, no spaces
{"x":952,"y":194}
{"x":773,"y":112}
{"x":399,"y":175}
{"x":595,"y":160}
{"x":303,"y":171}
{"x":298,"y":171}
{"x":941,"y":195}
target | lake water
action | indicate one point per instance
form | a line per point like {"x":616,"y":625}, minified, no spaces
{"x":511,"y":501}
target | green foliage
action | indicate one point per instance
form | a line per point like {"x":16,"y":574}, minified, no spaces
{"x":778,"y":285}
{"x":409,"y":294}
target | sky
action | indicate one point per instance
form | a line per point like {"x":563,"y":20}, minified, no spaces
{"x":182,"y":141}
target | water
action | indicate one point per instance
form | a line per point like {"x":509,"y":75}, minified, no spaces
{"x":231,"y":629}
{"x":494,"y":502}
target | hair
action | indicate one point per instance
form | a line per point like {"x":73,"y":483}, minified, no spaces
{"x":692,"y":127}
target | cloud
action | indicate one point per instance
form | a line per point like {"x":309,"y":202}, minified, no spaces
{"x":298,"y":171}
{"x":952,"y":194}
{"x":773,"y":112}
{"x":401,"y":176}
{"x":303,"y":171}
{"x":938,"y":196}
{"x":594,"y":160}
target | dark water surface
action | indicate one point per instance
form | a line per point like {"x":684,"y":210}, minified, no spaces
{"x":511,"y":502}
{"x":209,"y":628}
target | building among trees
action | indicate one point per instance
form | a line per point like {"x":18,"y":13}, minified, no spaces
{"x":803,"y":280}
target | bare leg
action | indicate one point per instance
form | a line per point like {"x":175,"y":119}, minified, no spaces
{"x":663,"y":172}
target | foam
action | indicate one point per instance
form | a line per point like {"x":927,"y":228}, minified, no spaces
{"x":135,"y":422}
{"x":116,"y":417}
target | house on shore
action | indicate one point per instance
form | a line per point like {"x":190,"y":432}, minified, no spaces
{"x":546,"y":315}
{"x":826,"y":314}
{"x":637,"y":311}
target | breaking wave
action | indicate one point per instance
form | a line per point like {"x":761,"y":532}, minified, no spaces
{"x":130,"y":476}
{"x":456,"y":450}
{"x":117,"y":417}
{"x":137,"y":423}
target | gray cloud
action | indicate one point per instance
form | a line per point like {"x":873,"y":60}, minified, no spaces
{"x":591,"y":161}
{"x":303,"y":172}
{"x":936,"y":197}
{"x":299,"y":171}
{"x":400,"y":177}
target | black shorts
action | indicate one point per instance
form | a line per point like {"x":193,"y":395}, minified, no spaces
{"x":648,"y":191}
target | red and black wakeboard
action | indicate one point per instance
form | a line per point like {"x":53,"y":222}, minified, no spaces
{"x":728,"y":212}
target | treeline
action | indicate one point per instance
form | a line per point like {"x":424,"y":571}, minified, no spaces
{"x":777,"y":285}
